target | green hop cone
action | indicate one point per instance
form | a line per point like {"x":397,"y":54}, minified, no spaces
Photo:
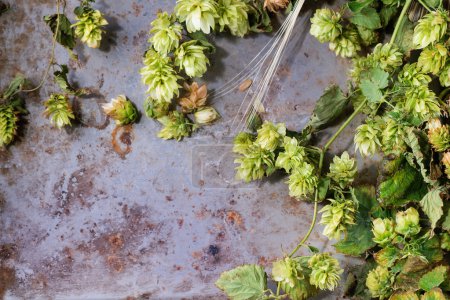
{"x":8,"y":124}
{"x":430,"y":29}
{"x":287,"y":271}
{"x":337,"y":216}
{"x":270,"y":135}
{"x":422,"y":103}
{"x":383,"y":231}
{"x":191,"y":58}
{"x":302,"y":180}
{"x":412,"y":75}
{"x":396,"y":3}
{"x":121,"y":110}
{"x":347,"y":44}
{"x":154,"y":109}
{"x":439,"y":135}
{"x":325,"y":271}
{"x":325,"y":25}
{"x":343,"y":170}
{"x":198,"y":14}
{"x":89,"y":27}
{"x":445,"y":241}
{"x":379,"y":282}
{"x":256,"y":163}
{"x":233,"y":15}
{"x":242,"y":143}
{"x":292,"y":156}
{"x":206,"y":115}
{"x":388,"y":56}
{"x":407,"y":222}
{"x":176,"y":126}
{"x":392,"y":141}
{"x":59,"y":110}
{"x":444,"y":77}
{"x":360,"y":65}
{"x":446,"y":163}
{"x":160,"y":77}
{"x":368,"y":37}
{"x":366,"y":138}
{"x":166,"y":34}
{"x":432,"y":59}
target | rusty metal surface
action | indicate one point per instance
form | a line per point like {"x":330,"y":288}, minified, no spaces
{"x":164,"y":219}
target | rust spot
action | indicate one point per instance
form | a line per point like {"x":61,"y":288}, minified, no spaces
{"x":126,"y":138}
{"x":234,"y":218}
{"x":116,"y":241}
{"x":115,"y":263}
{"x":7,"y":280}
{"x":137,"y":9}
{"x":8,"y":251}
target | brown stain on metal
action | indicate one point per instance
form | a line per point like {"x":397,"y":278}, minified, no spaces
{"x":126,"y":139}
{"x":8,"y":251}
{"x":7,"y":280}
{"x":235,"y":218}
{"x":137,"y":9}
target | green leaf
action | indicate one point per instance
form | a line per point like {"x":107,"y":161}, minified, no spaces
{"x":66,"y":34}
{"x":330,"y":105}
{"x":431,"y":250}
{"x":367,"y":17}
{"x":387,"y":257}
{"x":387,"y":13}
{"x":355,"y":286}
{"x":446,"y":223}
{"x":61,"y":79}
{"x":434,"y":294}
{"x":243,"y":282}
{"x":203,"y":40}
{"x":404,"y":296}
{"x":410,"y":274}
{"x":432,"y":3}
{"x":404,"y":39}
{"x":379,"y":77}
{"x":322,"y":187}
{"x":356,"y":6}
{"x":371,"y":91}
{"x":432,"y":206}
{"x":359,"y":236}
{"x":15,"y":86}
{"x":434,"y":278}
{"x":313,"y":249}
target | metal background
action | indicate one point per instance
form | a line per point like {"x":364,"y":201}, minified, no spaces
{"x":162,"y":221}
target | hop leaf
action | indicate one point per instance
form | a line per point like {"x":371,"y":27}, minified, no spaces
{"x":421,"y":103}
{"x":337,"y":216}
{"x":191,"y":58}
{"x":8,"y":124}
{"x":366,"y":138}
{"x":166,"y":33}
{"x":325,"y":271}
{"x":292,"y":156}
{"x":160,"y":77}
{"x":325,"y":25}
{"x":271,"y":135}
{"x":302,"y":180}
{"x":379,"y":282}
{"x":347,"y":44}
{"x":233,"y":15}
{"x":121,"y":110}
{"x":89,"y":27}
{"x":383,"y":231}
{"x":59,"y":110}
{"x":176,"y":126}
{"x":343,"y":170}
{"x":412,"y":75}
{"x":431,"y":28}
{"x":198,"y":14}
{"x":255,"y":163}
{"x":407,"y":222}
{"x":432,"y":59}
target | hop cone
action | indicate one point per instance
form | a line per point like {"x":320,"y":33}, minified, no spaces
{"x":302,"y":180}
{"x":154,"y":109}
{"x":89,"y":27}
{"x":233,"y":15}
{"x":271,"y":135}
{"x":256,"y":163}
{"x":160,"y":77}
{"x":432,"y":59}
{"x":343,"y":170}
{"x":288,"y":271}
{"x":347,"y":44}
{"x":8,"y":124}
{"x":336,"y":217}
{"x":325,"y":25}
{"x":383,"y":231}
{"x":292,"y":156}
{"x":379,"y":282}
{"x":243,"y":142}
{"x":195,"y":98}
{"x":407,"y":222}
{"x":325,"y":271}
{"x":176,"y":126}
{"x":446,"y":163}
{"x":439,"y":135}
{"x":366,"y":138}
{"x":393,"y":137}
{"x":444,"y":77}
{"x":388,"y":56}
{"x":198,"y":14}
{"x":421,"y":103}
{"x":166,"y":33}
{"x":275,"y":5}
{"x":430,"y":29}
{"x":368,"y":37}
{"x":412,"y":75}
{"x":191,"y":58}
{"x":206,"y":115}
{"x":121,"y":110}
{"x":59,"y":110}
